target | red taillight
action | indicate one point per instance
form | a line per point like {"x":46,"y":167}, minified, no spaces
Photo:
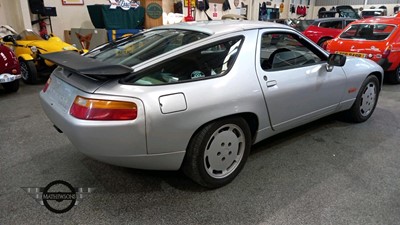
{"x":96,"y":109}
{"x":387,"y":51}
{"x":46,"y":85}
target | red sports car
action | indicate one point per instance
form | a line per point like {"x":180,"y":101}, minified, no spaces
{"x":325,"y":29}
{"x":375,"y":38}
{"x":10,"y":71}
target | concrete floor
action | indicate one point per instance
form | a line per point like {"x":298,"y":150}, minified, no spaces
{"x":327,"y":172}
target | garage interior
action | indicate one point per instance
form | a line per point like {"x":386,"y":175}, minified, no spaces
{"x":325,"y":172}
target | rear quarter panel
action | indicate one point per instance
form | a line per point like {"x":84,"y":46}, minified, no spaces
{"x":207,"y":100}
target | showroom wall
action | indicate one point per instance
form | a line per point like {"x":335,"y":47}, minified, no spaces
{"x":254,"y":6}
{"x":77,"y":16}
{"x":390,"y":8}
{"x":17,"y":13}
{"x":11,"y":14}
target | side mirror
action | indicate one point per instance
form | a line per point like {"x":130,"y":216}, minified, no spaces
{"x":335,"y":60}
{"x":9,"y":38}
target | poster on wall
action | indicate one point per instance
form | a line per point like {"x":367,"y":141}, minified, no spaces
{"x":217,"y":1}
{"x":192,"y":3}
{"x":72,"y":2}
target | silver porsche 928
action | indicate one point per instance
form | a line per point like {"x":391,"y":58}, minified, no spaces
{"x":197,"y":96}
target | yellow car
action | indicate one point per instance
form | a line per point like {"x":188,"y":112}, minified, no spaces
{"x":28,"y":46}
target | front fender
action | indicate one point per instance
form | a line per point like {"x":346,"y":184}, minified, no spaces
{"x":26,"y":57}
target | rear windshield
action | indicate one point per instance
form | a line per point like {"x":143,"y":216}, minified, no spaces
{"x":347,"y":12}
{"x":368,"y":31}
{"x":29,"y":35}
{"x":301,"y":25}
{"x":139,"y":48}
{"x":372,"y":13}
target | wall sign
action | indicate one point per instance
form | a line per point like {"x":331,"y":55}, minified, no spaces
{"x":72,"y":2}
{"x":124,"y":4}
{"x":192,"y":3}
{"x":154,"y":10}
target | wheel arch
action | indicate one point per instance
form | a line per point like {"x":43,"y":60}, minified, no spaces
{"x":193,"y":163}
{"x":324,"y":38}
{"x":251,"y":119}
{"x":379,"y":75}
{"x":25,"y":57}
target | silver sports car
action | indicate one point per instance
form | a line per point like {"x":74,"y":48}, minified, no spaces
{"x":196,"y":96}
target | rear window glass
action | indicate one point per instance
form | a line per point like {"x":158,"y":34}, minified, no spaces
{"x":372,"y":13}
{"x":368,"y":31}
{"x":209,"y":61}
{"x":139,"y":48}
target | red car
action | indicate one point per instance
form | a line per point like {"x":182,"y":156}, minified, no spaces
{"x":375,"y":38}
{"x":10,"y":71}
{"x":325,"y":29}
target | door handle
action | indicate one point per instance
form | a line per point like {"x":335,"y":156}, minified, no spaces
{"x":271,"y":83}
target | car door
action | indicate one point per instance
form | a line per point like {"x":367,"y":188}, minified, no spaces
{"x":295,"y":82}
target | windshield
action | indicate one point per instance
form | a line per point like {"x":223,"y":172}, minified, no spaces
{"x":368,"y":31}
{"x":136,"y":49}
{"x":301,"y":25}
{"x":371,"y":13}
{"x":29,"y":35}
{"x":347,"y":12}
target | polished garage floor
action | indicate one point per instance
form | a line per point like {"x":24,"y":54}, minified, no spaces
{"x":327,"y":172}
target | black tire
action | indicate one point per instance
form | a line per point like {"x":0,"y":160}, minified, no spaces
{"x":322,"y":40}
{"x":11,"y":86}
{"x":224,"y":143}
{"x":28,"y":71}
{"x":394,"y":77}
{"x":365,"y":102}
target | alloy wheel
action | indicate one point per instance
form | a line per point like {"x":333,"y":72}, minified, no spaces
{"x":224,"y":151}
{"x":24,"y":71}
{"x":368,"y":99}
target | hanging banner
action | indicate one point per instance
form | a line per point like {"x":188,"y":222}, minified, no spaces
{"x":124,"y":4}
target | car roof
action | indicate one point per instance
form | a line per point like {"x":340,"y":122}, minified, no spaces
{"x":365,"y":10}
{"x":380,"y":19}
{"x":222,"y":26}
{"x":333,"y":19}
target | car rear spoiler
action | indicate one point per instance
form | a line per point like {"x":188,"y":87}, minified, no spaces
{"x":74,"y":62}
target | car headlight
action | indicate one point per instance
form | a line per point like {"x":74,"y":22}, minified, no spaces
{"x":34,"y":49}
{"x":68,"y":48}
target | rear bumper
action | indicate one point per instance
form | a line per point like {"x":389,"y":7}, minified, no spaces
{"x":121,"y":143}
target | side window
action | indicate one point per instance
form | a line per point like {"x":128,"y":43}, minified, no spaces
{"x":284,"y":51}
{"x":331,"y":24}
{"x":209,"y":61}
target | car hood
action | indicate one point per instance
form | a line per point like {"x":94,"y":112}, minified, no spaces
{"x":48,"y":46}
